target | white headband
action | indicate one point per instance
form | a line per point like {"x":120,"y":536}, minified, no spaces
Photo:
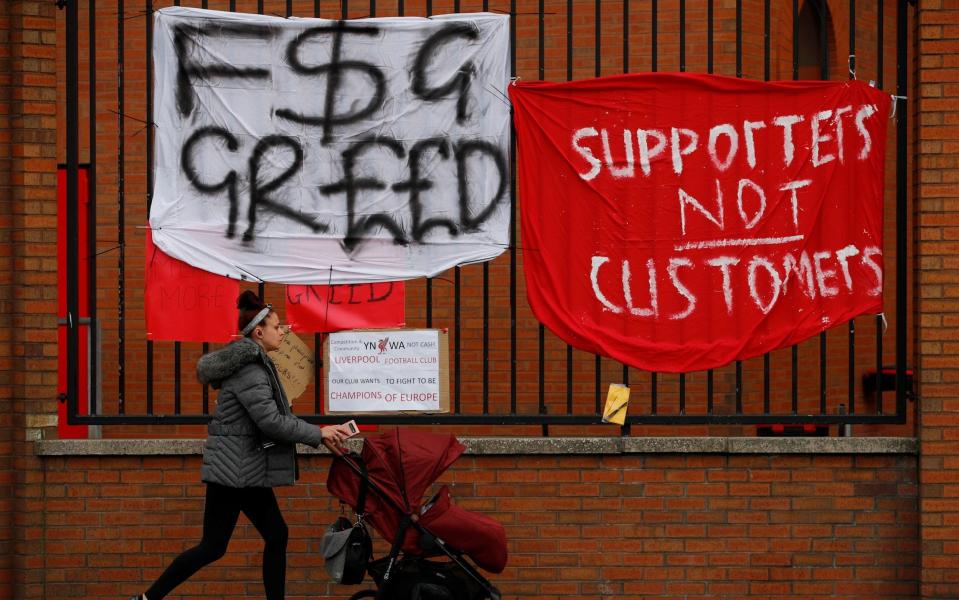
{"x":256,"y":320}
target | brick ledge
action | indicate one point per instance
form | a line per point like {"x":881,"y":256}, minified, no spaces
{"x":527,"y":446}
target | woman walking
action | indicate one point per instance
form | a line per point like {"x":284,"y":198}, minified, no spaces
{"x":249,"y":450}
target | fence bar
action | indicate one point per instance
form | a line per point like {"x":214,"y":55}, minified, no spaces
{"x":682,"y":393}
{"x":682,"y":36}
{"x":709,"y":36}
{"x":822,"y":373}
{"x":795,"y":379}
{"x":206,"y":386}
{"x":880,"y":325}
{"x":902,"y":215}
{"x":598,"y":383}
{"x":709,"y":391}
{"x":625,"y":36}
{"x":457,"y":366}
{"x":851,"y":349}
{"x":739,"y":387}
{"x":880,"y":47}
{"x":542,"y":374}
{"x":73,"y":156}
{"x":766,"y":39}
{"x":541,"y":330}
{"x":597,"y":38}
{"x":318,"y":371}
{"x":654,"y":33}
{"x":795,"y":39}
{"x":766,"y":70}
{"x":766,"y":371}
{"x":519,"y":419}
{"x":149,"y":377}
{"x":429,"y":302}
{"x":486,"y":337}
{"x":121,"y":216}
{"x":569,"y":77}
{"x":149,"y":149}
{"x":512,"y":220}
{"x":739,"y":38}
{"x":654,"y":400}
{"x":823,"y":41}
{"x":176,"y":378}
{"x":91,"y":208}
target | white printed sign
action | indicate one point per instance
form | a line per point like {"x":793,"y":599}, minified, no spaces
{"x":310,"y":151}
{"x":386,"y":371}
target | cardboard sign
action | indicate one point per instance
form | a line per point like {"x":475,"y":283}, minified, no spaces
{"x":387,"y":371}
{"x":294,"y":362}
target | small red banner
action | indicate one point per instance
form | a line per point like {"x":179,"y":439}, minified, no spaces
{"x":323,"y":308}
{"x":187,"y":304}
{"x":676,"y":222}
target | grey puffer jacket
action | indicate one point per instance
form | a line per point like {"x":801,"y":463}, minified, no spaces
{"x":251,"y":409}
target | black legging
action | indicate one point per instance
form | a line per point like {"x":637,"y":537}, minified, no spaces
{"x":223,"y":506}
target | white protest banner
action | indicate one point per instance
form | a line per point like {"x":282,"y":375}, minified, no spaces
{"x":310,"y":151}
{"x":394,"y":370}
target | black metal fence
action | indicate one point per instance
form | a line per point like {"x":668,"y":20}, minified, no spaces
{"x":505,"y":367}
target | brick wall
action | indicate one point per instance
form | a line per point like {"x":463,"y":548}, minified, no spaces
{"x":938,"y":298}
{"x":592,"y":526}
{"x":28,"y":327}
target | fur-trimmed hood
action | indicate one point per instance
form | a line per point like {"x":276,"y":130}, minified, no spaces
{"x":215,"y":367}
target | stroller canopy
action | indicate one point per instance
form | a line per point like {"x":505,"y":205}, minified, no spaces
{"x":402,"y":463}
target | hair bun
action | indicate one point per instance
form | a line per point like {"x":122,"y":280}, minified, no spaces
{"x":248,"y":300}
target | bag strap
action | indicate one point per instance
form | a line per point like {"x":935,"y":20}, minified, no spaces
{"x":361,"y":499}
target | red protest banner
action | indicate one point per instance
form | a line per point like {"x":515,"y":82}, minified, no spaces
{"x":322,"y":308}
{"x":676,"y":222}
{"x":187,"y":304}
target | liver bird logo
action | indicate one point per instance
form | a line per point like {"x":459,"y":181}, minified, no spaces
{"x":381,"y":344}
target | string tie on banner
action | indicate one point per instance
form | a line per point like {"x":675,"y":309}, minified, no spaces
{"x":852,"y":66}
{"x":894,"y":97}
{"x":885,"y":324}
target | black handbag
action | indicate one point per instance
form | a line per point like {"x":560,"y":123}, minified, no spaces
{"x":346,"y":549}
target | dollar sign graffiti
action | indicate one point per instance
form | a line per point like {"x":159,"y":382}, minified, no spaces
{"x":334,"y":71}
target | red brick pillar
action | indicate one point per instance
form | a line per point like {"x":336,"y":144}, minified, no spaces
{"x":28,"y":275}
{"x":938,"y":301}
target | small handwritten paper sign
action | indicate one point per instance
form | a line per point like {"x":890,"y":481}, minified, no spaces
{"x":294,"y":362}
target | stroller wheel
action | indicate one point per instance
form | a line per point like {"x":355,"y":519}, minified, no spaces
{"x":363,"y":594}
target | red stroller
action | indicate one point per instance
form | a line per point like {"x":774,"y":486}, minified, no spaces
{"x":397,"y":468}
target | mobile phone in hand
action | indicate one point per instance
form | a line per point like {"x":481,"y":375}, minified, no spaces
{"x":351,"y":427}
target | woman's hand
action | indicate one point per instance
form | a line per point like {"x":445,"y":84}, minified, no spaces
{"x":334,"y":438}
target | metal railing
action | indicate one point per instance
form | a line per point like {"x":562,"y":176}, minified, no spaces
{"x":523,"y":375}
